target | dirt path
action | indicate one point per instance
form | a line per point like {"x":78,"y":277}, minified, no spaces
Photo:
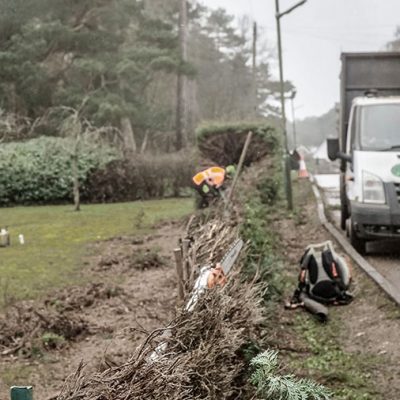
{"x":145,"y":299}
{"x":369,"y":327}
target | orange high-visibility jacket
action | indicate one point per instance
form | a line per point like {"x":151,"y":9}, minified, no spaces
{"x":213,"y":176}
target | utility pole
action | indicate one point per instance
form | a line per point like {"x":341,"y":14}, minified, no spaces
{"x":288,"y":181}
{"x":294,"y":118}
{"x":181,"y":106}
{"x":255,"y":91}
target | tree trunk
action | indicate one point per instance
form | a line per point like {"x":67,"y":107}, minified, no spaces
{"x":181,"y":107}
{"x":75,"y":178}
{"x":130,"y":147}
{"x":193,"y":111}
{"x":144,"y":143}
{"x":13,"y":98}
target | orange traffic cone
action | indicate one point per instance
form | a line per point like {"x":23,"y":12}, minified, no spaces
{"x":303,"y":173}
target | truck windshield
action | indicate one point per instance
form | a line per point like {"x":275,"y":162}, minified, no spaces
{"x":380,"y":127}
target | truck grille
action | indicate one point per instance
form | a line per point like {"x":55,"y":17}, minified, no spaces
{"x":384,"y":231}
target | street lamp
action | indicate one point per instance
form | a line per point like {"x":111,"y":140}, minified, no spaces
{"x":288,"y":182}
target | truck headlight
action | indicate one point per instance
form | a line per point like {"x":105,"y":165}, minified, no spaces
{"x":373,"y":190}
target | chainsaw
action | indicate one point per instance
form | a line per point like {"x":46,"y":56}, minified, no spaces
{"x":209,"y":278}
{"x":212,"y":277}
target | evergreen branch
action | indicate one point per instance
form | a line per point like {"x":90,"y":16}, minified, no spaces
{"x":272,"y":386}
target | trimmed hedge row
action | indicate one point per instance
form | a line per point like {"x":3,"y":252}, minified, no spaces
{"x":39,"y":171}
{"x":260,"y":128}
{"x":223,"y":143}
{"x":144,"y":177}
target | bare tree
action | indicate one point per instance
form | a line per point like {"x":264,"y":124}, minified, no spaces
{"x":76,"y":127}
{"x":72,"y":127}
{"x":15,"y":127}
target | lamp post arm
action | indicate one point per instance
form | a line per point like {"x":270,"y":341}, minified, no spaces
{"x":280,"y":15}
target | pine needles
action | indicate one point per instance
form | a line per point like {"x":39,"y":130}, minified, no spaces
{"x":272,"y":386}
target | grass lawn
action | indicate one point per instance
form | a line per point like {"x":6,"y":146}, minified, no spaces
{"x":56,"y":239}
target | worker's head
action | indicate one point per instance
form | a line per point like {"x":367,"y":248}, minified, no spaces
{"x":230,"y":171}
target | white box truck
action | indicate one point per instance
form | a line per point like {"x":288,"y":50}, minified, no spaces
{"x":369,"y":147}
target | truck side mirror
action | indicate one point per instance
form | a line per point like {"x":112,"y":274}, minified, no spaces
{"x":334,"y":151}
{"x":333,"y":148}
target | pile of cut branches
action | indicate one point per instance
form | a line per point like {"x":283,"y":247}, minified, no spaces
{"x":211,"y":238}
{"x":79,"y":297}
{"x":24,"y":328}
{"x":201,"y":354}
{"x":202,"y":357}
{"x":29,"y":325}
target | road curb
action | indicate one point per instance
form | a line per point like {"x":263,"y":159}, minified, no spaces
{"x":380,"y":280}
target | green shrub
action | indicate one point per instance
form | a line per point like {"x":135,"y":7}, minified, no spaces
{"x":51,"y":340}
{"x":269,"y":190}
{"x":144,"y":177}
{"x":261,"y":257}
{"x":259,"y":128}
{"x":260,"y":203}
{"x":39,"y":170}
{"x":223,"y":143}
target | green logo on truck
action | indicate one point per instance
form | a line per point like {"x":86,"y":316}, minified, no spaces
{"x":396,"y":170}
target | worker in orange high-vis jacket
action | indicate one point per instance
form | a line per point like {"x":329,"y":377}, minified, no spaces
{"x":209,"y":183}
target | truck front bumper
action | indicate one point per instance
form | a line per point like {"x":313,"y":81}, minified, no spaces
{"x":378,"y":221}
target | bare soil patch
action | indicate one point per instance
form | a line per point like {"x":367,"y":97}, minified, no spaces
{"x":133,"y":291}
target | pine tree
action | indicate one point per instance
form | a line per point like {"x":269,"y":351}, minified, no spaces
{"x":108,"y":51}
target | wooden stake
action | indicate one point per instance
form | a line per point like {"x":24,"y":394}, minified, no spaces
{"x":179,"y":273}
{"x":186,"y":263}
{"x":240,"y":166}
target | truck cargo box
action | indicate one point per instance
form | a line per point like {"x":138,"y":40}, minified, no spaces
{"x":378,"y":73}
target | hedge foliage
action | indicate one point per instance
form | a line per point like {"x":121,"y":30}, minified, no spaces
{"x":264,"y":129}
{"x":222,"y":143}
{"x":39,"y":170}
{"x":144,"y":177}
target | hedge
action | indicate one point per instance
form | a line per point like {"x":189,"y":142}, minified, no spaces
{"x":143,"y":177}
{"x":39,"y":170}
{"x":222,"y":143}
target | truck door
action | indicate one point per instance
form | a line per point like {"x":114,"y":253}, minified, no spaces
{"x":350,"y":147}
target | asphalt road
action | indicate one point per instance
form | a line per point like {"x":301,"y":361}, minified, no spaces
{"x":383,"y":255}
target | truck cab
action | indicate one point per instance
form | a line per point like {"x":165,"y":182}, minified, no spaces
{"x":372,"y":175}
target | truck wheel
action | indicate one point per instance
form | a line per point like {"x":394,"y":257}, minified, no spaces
{"x":358,"y":243}
{"x":344,"y":210}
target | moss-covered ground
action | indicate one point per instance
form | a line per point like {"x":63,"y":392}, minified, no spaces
{"x":57,"y":238}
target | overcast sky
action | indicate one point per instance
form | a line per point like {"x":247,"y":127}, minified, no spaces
{"x":314,"y":35}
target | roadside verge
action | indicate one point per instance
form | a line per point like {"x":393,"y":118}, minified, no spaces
{"x":382,"y":282}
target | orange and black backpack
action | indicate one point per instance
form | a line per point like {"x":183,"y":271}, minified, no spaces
{"x":324,"y":276}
